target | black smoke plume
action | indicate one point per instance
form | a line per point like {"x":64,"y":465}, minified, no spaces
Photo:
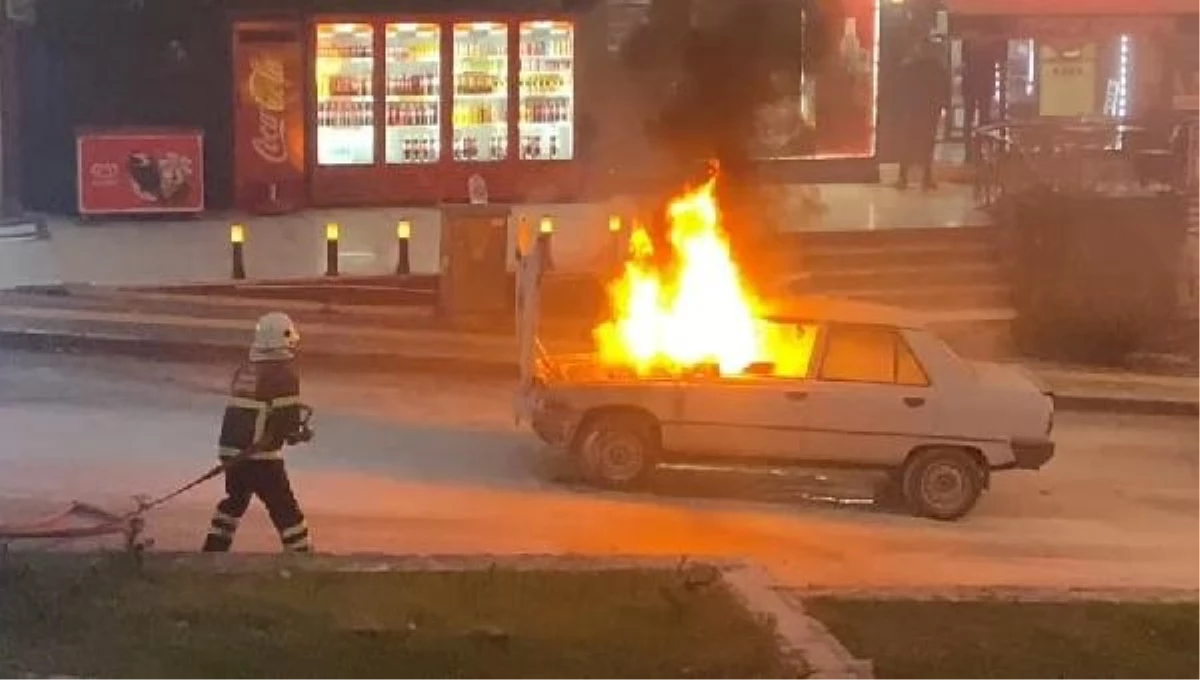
{"x":701,"y":71}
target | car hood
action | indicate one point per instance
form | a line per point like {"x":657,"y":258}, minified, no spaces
{"x":1008,"y":378}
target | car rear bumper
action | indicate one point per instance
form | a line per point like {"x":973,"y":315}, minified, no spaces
{"x":1031,"y":454}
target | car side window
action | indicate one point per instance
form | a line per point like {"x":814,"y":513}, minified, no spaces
{"x":868,"y":354}
{"x":859,"y":354}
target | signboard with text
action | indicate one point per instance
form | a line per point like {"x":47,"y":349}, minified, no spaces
{"x":1068,"y":79}
{"x":269,"y":116}
{"x":123,"y":171}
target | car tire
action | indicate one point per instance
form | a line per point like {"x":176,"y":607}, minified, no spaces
{"x":617,"y":451}
{"x":942,"y":483}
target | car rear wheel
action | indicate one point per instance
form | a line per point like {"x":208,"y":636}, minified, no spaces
{"x":617,"y":450}
{"x":942,"y":483}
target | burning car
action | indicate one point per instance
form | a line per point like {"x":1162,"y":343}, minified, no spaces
{"x":693,"y":367}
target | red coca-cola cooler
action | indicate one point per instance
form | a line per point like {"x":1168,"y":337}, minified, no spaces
{"x":269,"y":116}
{"x":406,"y":110}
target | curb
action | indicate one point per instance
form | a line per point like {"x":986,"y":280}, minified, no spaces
{"x":448,"y":364}
{"x":803,"y":636}
{"x":198,"y":352}
{"x":1082,"y":403}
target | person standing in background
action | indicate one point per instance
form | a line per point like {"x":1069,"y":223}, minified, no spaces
{"x":981,"y":57}
{"x":927,"y":77}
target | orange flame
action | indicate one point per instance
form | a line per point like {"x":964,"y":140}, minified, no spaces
{"x":700,"y":312}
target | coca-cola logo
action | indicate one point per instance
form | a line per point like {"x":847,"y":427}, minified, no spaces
{"x":267,"y":85}
{"x":271,"y":141}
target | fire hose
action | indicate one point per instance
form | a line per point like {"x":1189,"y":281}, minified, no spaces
{"x":131,"y":523}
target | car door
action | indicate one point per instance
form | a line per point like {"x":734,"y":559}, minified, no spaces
{"x":870,"y":401}
{"x":757,"y":414}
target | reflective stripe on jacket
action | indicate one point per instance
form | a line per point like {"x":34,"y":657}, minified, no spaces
{"x":263,"y":407}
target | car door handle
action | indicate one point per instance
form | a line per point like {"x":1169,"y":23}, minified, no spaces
{"x":795,"y":395}
{"x":914,"y":402}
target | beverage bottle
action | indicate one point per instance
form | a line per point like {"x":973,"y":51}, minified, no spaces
{"x":553,"y":146}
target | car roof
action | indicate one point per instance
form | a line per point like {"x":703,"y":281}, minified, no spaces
{"x":800,"y":308}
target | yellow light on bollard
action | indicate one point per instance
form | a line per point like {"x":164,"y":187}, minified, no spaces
{"x":403,"y":234}
{"x":237,"y":233}
{"x":331,"y":249}
{"x":614,"y":223}
{"x":545,"y":234}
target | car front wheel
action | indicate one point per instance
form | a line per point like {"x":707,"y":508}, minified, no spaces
{"x":942,"y":483}
{"x":616,"y":450}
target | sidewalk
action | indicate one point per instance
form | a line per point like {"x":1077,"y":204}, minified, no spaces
{"x":355,"y":338}
{"x":171,"y":251}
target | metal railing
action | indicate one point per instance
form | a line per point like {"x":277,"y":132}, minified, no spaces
{"x":1082,"y":156}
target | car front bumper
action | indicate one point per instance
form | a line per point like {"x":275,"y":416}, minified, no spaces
{"x":555,"y":426}
{"x":1031,"y":454}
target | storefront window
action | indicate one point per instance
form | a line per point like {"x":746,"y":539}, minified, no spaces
{"x":345,"y":101}
{"x":827,"y":109}
{"x":480,"y":91}
{"x":413,"y":70}
{"x":547,"y":130}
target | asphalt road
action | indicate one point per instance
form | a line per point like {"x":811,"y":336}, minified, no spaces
{"x":423,"y":464}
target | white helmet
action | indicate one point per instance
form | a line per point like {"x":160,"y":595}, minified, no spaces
{"x":275,"y":331}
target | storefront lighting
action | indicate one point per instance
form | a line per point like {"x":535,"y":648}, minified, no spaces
{"x":1125,"y":57}
{"x":877,"y":10}
{"x":1031,"y":80}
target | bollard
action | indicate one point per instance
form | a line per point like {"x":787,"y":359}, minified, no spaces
{"x":237,"y":240}
{"x":545,"y":239}
{"x":616,"y":241}
{"x":403,"y":234}
{"x":332,"y":232}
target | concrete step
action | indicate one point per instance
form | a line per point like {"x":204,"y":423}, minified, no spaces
{"x":890,"y":237}
{"x":923,"y":297}
{"x":955,"y":273}
{"x":908,"y":256}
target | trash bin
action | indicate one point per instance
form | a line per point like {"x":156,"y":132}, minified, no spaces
{"x":475,"y":285}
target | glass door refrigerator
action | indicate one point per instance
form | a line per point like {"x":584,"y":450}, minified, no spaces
{"x":344,"y":146}
{"x":547,"y":91}
{"x":408,"y":110}
{"x":547,"y":153}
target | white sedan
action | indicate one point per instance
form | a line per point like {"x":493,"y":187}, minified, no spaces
{"x":876,"y":389}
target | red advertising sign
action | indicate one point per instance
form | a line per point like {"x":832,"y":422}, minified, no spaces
{"x":140,"y":171}
{"x":269,"y":116}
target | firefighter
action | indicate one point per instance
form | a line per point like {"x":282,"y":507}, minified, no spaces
{"x":263,"y":415}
